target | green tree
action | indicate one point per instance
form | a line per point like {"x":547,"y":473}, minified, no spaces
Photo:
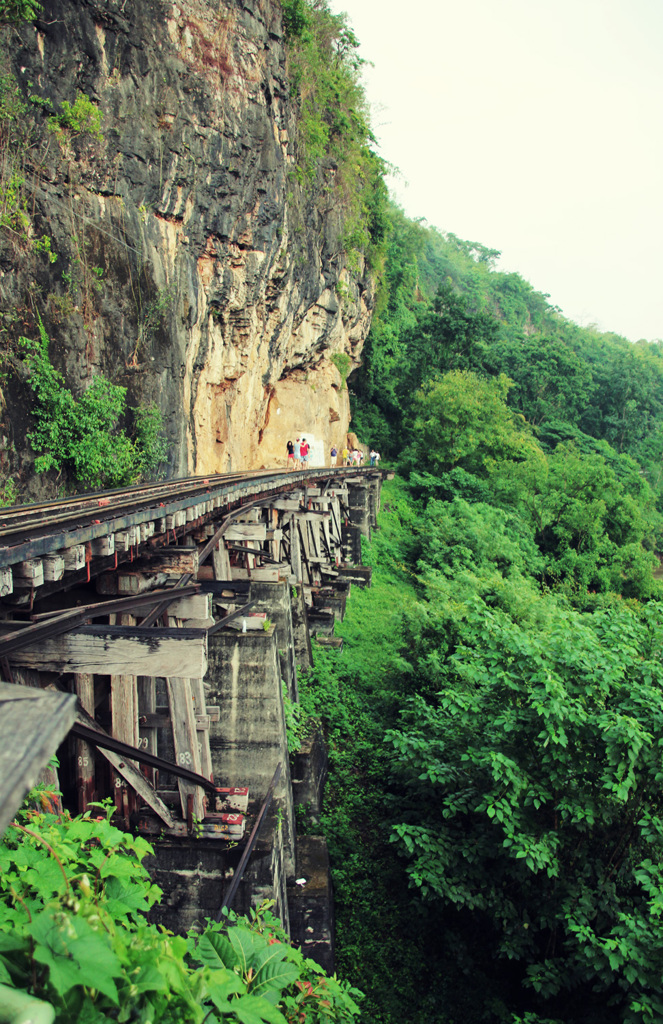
{"x":463,"y":421}
{"x":529,"y":772}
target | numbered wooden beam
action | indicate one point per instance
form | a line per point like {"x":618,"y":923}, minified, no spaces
{"x":147,"y":733}
{"x":85,"y":765}
{"x":185,"y":741}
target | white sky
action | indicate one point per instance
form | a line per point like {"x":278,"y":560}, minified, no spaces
{"x":535,"y":128}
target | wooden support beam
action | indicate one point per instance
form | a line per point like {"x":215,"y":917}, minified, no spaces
{"x":199,"y":606}
{"x":120,"y":650}
{"x":185,"y":740}
{"x":125,"y":539}
{"x":124,"y":717}
{"x":246,"y":531}
{"x":74,"y":557}
{"x":198,"y":693}
{"x":221,"y":561}
{"x":53,"y":568}
{"x":176,"y":561}
{"x":125,"y":768}
{"x":6,"y":582}
{"x":103,"y":546}
{"x":147,"y":734}
{"x":85,"y":765}
{"x":29,"y":573}
{"x":126,"y":584}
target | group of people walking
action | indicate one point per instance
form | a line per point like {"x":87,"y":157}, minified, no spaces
{"x":298,"y":455}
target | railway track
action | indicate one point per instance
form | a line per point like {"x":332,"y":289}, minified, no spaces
{"x":33,"y":531}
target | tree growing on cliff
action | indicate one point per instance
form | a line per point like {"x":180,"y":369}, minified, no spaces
{"x":82,"y":436}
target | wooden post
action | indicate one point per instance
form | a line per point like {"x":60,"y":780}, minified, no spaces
{"x":221,"y":562}
{"x":124,"y":716}
{"x":295,"y":551}
{"x":84,"y":684}
{"x":185,"y":740}
{"x":200,"y":707}
{"x":147,"y":705}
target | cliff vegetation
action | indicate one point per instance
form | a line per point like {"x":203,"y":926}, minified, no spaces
{"x":192,"y":218}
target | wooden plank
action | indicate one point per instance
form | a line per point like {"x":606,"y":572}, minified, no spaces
{"x":125,"y":728}
{"x":125,"y":768}
{"x":202,"y":728}
{"x":32,"y":724}
{"x":246,"y":531}
{"x":185,"y":740}
{"x":221,"y":562}
{"x":175,"y":560}
{"x":120,"y":650}
{"x":103,"y":546}
{"x":53,"y":568}
{"x":139,"y":582}
{"x":127,"y":584}
{"x":124,"y":718}
{"x":74,"y":557}
{"x":295,"y":550}
{"x":139,"y":783}
{"x":85,"y":764}
{"x":147,"y":734}
{"x":285,"y":504}
{"x":198,"y":606}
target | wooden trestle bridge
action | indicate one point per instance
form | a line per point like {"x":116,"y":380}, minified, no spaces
{"x":108,"y":606}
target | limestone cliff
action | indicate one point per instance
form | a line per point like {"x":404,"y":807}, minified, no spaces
{"x":191,"y":266}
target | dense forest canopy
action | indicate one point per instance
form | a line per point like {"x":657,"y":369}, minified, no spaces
{"x":444,"y":307}
{"x":510,"y":734}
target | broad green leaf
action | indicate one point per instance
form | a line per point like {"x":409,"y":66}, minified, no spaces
{"x":246,"y":945}
{"x":215,"y":951}
{"x":75,"y":954}
{"x":256,"y":1010}
{"x":273,"y":973}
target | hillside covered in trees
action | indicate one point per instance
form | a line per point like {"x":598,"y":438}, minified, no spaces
{"x":495,"y":718}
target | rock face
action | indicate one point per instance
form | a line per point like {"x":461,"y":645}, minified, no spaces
{"x":191,"y":266}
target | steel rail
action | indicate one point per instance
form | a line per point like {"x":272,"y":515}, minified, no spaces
{"x":25,"y":516}
{"x":43,"y":535}
{"x":105,"y":502}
